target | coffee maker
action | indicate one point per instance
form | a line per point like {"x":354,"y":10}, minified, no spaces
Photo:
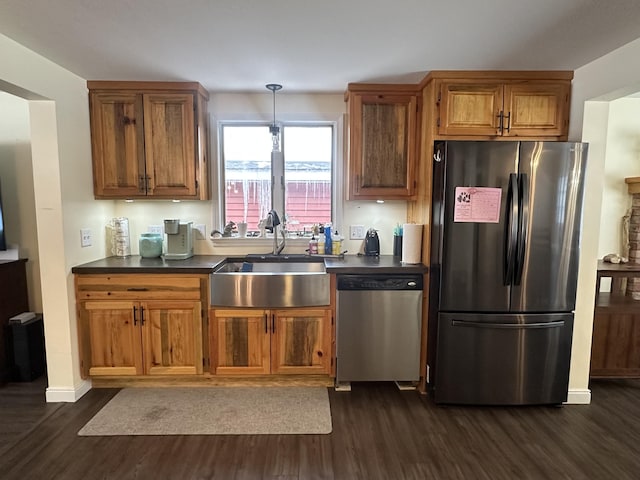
{"x":179,"y":239}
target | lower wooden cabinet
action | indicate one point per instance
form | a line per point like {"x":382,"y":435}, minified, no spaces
{"x":141,"y":338}
{"x":257,"y":341}
{"x":141,"y":324}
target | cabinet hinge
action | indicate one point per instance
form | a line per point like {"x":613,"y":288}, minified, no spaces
{"x":197,"y":185}
{"x":438,"y":122}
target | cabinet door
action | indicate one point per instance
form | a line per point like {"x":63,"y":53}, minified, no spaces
{"x":111,"y":339}
{"x":117,"y":142}
{"x":470,"y":108}
{"x":382,"y":146}
{"x":301,"y":341}
{"x":536,"y":109}
{"x":172,"y":337}
{"x":240,"y":342}
{"x":170,"y":145}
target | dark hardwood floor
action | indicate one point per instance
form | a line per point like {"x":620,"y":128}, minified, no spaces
{"x":379,"y":432}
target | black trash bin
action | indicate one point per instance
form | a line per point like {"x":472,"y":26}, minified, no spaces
{"x":25,"y":349}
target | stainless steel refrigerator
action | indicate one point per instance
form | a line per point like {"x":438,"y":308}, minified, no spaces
{"x":505,"y":238}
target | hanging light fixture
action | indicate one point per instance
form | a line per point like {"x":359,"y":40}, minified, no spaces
{"x":274,"y":129}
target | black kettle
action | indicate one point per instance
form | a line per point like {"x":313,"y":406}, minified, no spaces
{"x":372,"y":243}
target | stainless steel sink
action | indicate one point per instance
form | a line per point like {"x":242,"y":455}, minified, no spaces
{"x":268,"y":282}
{"x":272,"y":267}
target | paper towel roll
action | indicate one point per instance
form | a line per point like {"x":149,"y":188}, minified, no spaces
{"x":411,"y":243}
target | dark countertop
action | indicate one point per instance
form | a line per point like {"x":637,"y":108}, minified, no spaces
{"x":350,"y":264}
{"x":136,"y":264}
{"x":354,"y":264}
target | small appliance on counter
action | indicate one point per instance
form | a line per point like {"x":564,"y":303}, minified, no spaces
{"x":372,"y":243}
{"x":179,"y":239}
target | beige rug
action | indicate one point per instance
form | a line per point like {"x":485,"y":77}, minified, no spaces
{"x":214,"y":411}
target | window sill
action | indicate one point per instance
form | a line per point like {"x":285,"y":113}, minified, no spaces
{"x":257,"y":241}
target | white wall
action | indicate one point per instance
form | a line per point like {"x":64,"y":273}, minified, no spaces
{"x":16,"y":173}
{"x":610,"y":77}
{"x":62,"y":181}
{"x":622,"y":159}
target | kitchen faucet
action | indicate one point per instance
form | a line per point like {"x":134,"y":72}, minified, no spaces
{"x":272,"y":225}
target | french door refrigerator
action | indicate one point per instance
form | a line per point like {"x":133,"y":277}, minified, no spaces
{"x":505,"y":237}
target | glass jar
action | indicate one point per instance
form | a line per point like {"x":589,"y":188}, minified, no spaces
{"x":150,"y":245}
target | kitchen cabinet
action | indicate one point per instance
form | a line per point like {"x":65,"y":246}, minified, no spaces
{"x":524,"y":104}
{"x":281,"y":341}
{"x":383,"y":128}
{"x":615,"y":346}
{"x":149,"y":140}
{"x":140,"y":324}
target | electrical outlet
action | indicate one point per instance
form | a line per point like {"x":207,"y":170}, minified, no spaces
{"x":85,"y":237}
{"x":155,"y":229}
{"x":356,"y":232}
{"x":202,"y":229}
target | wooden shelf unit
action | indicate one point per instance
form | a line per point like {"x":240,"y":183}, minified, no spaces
{"x":615,"y":348}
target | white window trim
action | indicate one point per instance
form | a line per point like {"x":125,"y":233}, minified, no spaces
{"x":337,"y":177}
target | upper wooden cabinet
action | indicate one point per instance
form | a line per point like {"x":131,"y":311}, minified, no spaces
{"x":383,"y":128}
{"x":523,"y":104}
{"x":149,"y":140}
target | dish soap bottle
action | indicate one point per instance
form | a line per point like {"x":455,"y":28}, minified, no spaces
{"x":336,"y":241}
{"x":313,"y":246}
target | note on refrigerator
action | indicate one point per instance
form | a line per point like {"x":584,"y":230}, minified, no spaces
{"x":477,"y":204}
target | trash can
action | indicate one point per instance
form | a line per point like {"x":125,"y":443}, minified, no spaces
{"x":25,"y":349}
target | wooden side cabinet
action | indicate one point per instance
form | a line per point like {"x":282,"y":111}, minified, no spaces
{"x":523,"y":104}
{"x":149,"y":140}
{"x":258,"y":341}
{"x":140,"y":324}
{"x":383,"y":147}
{"x":615,"y":346}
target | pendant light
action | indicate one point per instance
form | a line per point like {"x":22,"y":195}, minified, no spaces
{"x":274,"y":129}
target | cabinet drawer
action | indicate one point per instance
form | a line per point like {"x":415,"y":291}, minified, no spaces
{"x":139,"y":287}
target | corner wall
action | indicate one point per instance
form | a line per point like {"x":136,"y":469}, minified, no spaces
{"x":61,"y":154}
{"x":610,"y":77}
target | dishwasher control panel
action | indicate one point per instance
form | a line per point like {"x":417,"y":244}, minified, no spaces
{"x":380,"y":282}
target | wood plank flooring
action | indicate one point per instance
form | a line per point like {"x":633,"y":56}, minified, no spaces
{"x":379,"y":432}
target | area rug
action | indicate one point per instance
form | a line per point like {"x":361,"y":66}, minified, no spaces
{"x":213,"y":411}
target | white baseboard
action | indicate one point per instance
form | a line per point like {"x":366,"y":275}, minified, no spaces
{"x":57,"y":395}
{"x":579,"y":397}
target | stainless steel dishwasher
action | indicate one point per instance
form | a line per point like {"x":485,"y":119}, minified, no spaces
{"x":378,"y":327}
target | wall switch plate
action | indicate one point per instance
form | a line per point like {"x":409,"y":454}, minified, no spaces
{"x":202,"y":229}
{"x":155,"y":229}
{"x":85,"y":237}
{"x":356,"y":232}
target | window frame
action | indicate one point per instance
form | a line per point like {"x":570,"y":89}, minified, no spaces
{"x":219,"y":179}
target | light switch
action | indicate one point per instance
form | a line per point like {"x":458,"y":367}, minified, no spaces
{"x":85,"y":237}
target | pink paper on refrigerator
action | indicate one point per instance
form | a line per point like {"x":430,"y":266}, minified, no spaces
{"x":477,"y":204}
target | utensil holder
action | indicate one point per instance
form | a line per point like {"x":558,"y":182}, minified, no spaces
{"x":397,"y":245}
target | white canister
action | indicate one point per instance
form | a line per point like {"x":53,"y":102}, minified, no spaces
{"x":120,"y":240}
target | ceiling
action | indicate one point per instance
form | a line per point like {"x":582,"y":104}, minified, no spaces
{"x":319,"y":46}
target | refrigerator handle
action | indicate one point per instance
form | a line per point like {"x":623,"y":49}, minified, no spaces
{"x":511,"y":229}
{"x":523,"y":224}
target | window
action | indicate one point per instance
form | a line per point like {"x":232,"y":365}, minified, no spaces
{"x":300,"y":176}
